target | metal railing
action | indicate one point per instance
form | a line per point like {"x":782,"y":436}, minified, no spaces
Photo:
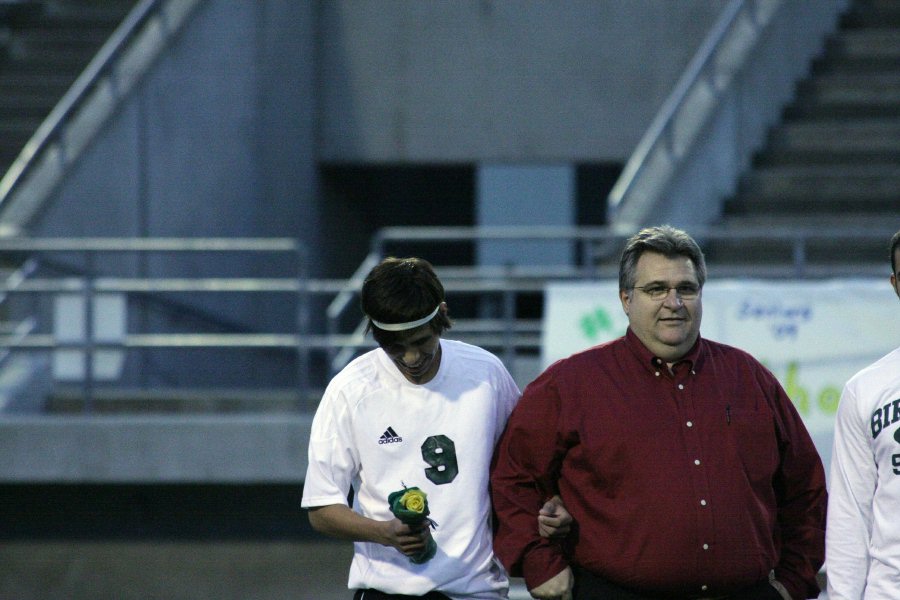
{"x":87,"y":279}
{"x":716,"y":116}
{"x":595,"y":253}
{"x":86,"y":105}
{"x":505,"y":331}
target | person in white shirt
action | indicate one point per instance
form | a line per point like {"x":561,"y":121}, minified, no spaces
{"x":418,"y":411}
{"x":862,"y":535}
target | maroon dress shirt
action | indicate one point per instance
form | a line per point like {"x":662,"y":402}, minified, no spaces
{"x":696,"y":483}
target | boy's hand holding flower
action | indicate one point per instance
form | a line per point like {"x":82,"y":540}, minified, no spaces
{"x":410,"y":505}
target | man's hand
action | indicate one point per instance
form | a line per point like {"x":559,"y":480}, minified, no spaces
{"x":558,"y":587}
{"x":553,"y":519}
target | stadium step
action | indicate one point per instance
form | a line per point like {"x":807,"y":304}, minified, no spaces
{"x":834,"y":141}
{"x":795,"y":188}
{"x":834,"y":160}
{"x":45,"y":45}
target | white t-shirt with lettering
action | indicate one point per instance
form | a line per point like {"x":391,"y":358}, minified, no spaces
{"x":862,"y":536}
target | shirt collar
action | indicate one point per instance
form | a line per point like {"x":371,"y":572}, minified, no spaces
{"x":694,"y":356}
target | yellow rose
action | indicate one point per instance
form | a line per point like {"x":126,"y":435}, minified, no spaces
{"x":410,"y":505}
{"x":414,"y":500}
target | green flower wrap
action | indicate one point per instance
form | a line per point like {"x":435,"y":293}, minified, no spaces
{"x":410,"y":505}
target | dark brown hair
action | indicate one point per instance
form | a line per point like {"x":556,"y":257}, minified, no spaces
{"x":400,"y":290}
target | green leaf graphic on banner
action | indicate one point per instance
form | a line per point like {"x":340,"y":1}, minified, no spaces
{"x":829,"y":398}
{"x":796,"y":392}
{"x":595,"y":322}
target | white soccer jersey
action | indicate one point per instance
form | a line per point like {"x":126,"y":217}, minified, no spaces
{"x":862,"y":544}
{"x":377,"y":431}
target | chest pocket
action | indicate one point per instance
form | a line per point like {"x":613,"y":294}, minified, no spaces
{"x":751,"y":436}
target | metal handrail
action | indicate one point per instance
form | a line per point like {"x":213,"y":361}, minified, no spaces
{"x":75,"y":95}
{"x":103,"y":66}
{"x":340,"y":356}
{"x":115,"y":244}
{"x":599,"y":250}
{"x":89,"y":283}
{"x":601,"y":236}
{"x":504,"y":331}
{"x":712,"y":111}
{"x":663,"y":121}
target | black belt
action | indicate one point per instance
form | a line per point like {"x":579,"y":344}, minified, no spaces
{"x":589,"y":586}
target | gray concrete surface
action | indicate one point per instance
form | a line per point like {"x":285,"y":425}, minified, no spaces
{"x":232,"y":448}
{"x":122,"y":570}
{"x":174,"y":570}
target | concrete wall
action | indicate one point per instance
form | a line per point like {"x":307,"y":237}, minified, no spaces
{"x":249,"y":448}
{"x":225,"y":135}
{"x":216,"y":140}
{"x":517,"y":81}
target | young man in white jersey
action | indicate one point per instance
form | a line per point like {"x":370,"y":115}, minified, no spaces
{"x":419,"y":411}
{"x":862,"y":535}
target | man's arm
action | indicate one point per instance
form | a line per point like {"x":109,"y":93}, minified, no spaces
{"x":853,"y":480}
{"x":558,"y":587}
{"x":338,"y":520}
{"x":801,"y":502}
{"x":523,"y":476}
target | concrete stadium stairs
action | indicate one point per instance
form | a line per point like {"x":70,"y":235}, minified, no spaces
{"x":834,"y":160}
{"x":44,"y":46}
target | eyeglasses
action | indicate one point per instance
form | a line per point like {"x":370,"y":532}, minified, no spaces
{"x":685,"y":291}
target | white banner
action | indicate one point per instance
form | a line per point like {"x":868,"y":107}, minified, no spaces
{"x":812,"y":335}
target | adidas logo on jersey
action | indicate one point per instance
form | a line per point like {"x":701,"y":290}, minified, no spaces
{"x":389,"y":437}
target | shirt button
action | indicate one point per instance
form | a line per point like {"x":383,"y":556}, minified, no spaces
{"x":680,"y":387}
{"x":706,"y":546}
{"x":657,"y":373}
{"x":697,"y":462}
{"x":690,"y":423}
{"x":703,"y":503}
{"x":703,"y":588}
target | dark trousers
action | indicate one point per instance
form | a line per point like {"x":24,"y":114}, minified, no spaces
{"x":591,"y":587}
{"x":376,"y":595}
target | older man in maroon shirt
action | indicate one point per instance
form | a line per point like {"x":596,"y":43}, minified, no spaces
{"x":684,"y":463}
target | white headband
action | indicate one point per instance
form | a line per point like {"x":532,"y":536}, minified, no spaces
{"x":405,"y":326}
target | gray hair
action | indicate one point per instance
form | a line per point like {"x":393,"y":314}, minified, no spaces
{"x":665,"y":240}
